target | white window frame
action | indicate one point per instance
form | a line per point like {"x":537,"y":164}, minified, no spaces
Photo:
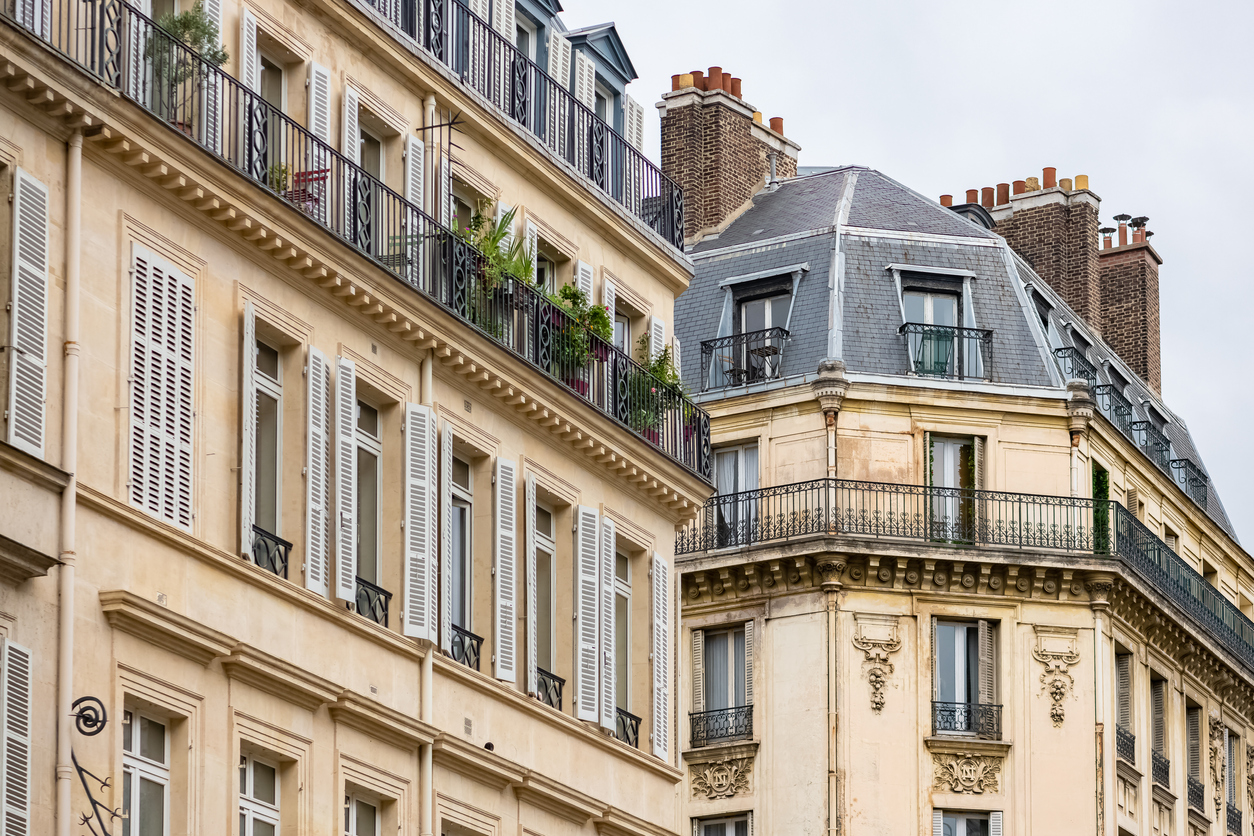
{"x":374,"y":446}
{"x":465,"y":497}
{"x":729,"y":821}
{"x":547,"y":283}
{"x":960,"y":661}
{"x":524,"y":23}
{"x":273,"y":388}
{"x":350,"y":813}
{"x":963,"y":815}
{"x":547,"y":543}
{"x":281,"y":67}
{"x":137,"y":766}
{"x":609,"y":95}
{"x":625,"y":321}
{"x":769,"y":318}
{"x":252,"y":808}
{"x":622,"y":656}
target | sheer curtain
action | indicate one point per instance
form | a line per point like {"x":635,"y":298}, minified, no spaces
{"x":716,"y":657}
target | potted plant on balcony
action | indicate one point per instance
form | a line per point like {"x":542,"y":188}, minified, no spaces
{"x":581,"y":331}
{"x":505,"y":260}
{"x":180,"y":58}
{"x":653,"y":388}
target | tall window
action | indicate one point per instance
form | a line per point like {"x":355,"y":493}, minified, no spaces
{"x":735,"y":471}
{"x":724,"y":668}
{"x":1193,"y":729}
{"x":361,"y":817}
{"x":622,"y":332}
{"x":546,"y":273}
{"x":258,"y":797}
{"x":545,"y":595}
{"x":369,"y":449}
{"x":1232,"y":745}
{"x":622,"y":629}
{"x":932,"y":350}
{"x":952,"y":464}
{"x":269,"y":432}
{"x":463,"y":504}
{"x":732,"y":826}
{"x":964,"y":677}
{"x":525,"y":37}
{"x":1123,"y":690}
{"x":271,"y":81}
{"x":145,"y":775}
{"x":758,"y":357}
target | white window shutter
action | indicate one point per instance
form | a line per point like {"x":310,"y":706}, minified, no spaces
{"x":249,"y":66}
{"x":503,"y":209}
{"x":415,"y":180}
{"x":446,"y":537}
{"x":214,"y":87}
{"x":657,"y":336}
{"x":988,"y":661}
{"x":18,"y":699}
{"x":609,"y":294}
{"x":633,"y":122}
{"x":698,"y":671}
{"x":675,"y":353}
{"x":351,"y":144}
{"x":137,"y":44}
{"x":319,"y":102}
{"x":503,"y":19}
{"x":415,"y":152}
{"x":585,"y":80}
{"x":533,"y":683}
{"x":345,"y":479}
{"x":28,"y":355}
{"x":531,"y":241}
{"x":505,"y":560}
{"x":587,"y":597}
{"x":1123,"y":689}
{"x":318,"y":476}
{"x":938,"y":823}
{"x":749,"y":628}
{"x":559,"y":108}
{"x":480,"y":8}
{"x":609,"y":668}
{"x":446,"y":191}
{"x":477,"y":42}
{"x":994,"y":823}
{"x":248,"y":432}
{"x":420,"y":506}
{"x":559,"y":59}
{"x":583,"y":278}
{"x":661,"y":656}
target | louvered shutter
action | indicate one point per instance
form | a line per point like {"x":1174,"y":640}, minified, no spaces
{"x":583,"y":278}
{"x":657,"y":336}
{"x":478,"y":42}
{"x":559,"y":106}
{"x":1123,"y":689}
{"x":531,"y":241}
{"x":415,"y":152}
{"x":935,"y":661}
{"x":533,"y":685}
{"x":18,"y":698}
{"x":585,"y":94}
{"x":350,"y":147}
{"x":698,"y":671}
{"x":749,"y":662}
{"x":1193,"y":719}
{"x":446,"y":190}
{"x":505,"y":561}
{"x":503,"y":19}
{"x":503,"y":209}
{"x":28,"y":355}
{"x":609,"y":294}
{"x":318,"y":476}
{"x":633,"y":122}
{"x":503,"y":22}
{"x":214,"y":85}
{"x":345,"y":479}
{"x":609,"y":667}
{"x":319,"y":102}
{"x":587,"y":599}
{"x":988,"y":661}
{"x":248,"y":432}
{"x":446,"y":537}
{"x":938,"y":823}
{"x":137,"y":85}
{"x":420,"y":506}
{"x":994,"y":824}
{"x":980,"y":484}
{"x":660,"y":575}
{"x":1133,"y":499}
{"x":249,"y":65}
{"x":559,"y":59}
{"x":675,"y":356}
{"x":1157,"y":699}
{"x":585,"y":80}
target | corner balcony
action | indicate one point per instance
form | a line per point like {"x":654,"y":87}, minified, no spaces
{"x":949,"y":352}
{"x":126,"y":51}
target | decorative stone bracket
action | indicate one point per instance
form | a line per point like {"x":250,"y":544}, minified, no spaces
{"x":1056,"y":650}
{"x":877,"y":637}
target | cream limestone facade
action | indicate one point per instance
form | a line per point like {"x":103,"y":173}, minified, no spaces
{"x":306,"y":530}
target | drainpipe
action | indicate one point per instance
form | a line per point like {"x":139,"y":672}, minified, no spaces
{"x":830,"y":568}
{"x":829,"y":389}
{"x":69,"y":463}
{"x":426,"y":815}
{"x":433,"y":177}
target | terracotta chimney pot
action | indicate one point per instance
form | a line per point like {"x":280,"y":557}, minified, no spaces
{"x":698,"y":79}
{"x":973,"y":195}
{"x":726,"y":83}
{"x":686,"y":81}
{"x":1050,"y":177}
{"x":986,"y":197}
{"x":714,"y":78}
{"x":1020,"y":186}
{"x":947,"y":200}
{"x":1081,"y":182}
{"x":1065,"y":183}
{"x":1003,"y":194}
{"x":735,"y":91}
{"x":777,"y":124}
{"x":675,"y":82}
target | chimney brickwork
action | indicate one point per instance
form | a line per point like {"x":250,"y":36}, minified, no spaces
{"x":1059,"y":239}
{"x":1129,"y":283}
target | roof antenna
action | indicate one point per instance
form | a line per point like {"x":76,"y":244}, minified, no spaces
{"x":771,"y":156}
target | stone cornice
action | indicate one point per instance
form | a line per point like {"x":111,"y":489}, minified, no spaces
{"x":475,"y":763}
{"x":955,"y":745}
{"x":376,"y":720}
{"x":36,"y":471}
{"x":273,"y":675}
{"x":719,"y":751}
{"x":163,"y":627}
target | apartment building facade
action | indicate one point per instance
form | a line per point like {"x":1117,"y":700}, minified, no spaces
{"x":317,"y":521}
{"x":964,"y":572}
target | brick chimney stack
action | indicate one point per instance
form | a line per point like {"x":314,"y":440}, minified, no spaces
{"x":716,"y":147}
{"x":1128,"y":275}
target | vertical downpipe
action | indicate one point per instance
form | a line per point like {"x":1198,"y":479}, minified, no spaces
{"x":69,"y":463}
{"x":426,"y":814}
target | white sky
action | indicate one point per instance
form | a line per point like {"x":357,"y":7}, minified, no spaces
{"x":1153,"y":100}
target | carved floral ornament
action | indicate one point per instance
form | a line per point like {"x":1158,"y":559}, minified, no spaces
{"x":1056,"y":650}
{"x":974,"y":774}
{"x":722,"y":778}
{"x":1249,"y":773}
{"x":877,"y":637}
{"x":1218,"y":758}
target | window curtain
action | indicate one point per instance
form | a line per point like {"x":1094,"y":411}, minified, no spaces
{"x":716,"y":672}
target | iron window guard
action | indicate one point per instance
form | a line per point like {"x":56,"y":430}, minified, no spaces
{"x":981,"y":719}
{"x":1125,"y":744}
{"x":1234,"y":820}
{"x":1192,"y":480}
{"x":128,"y":52}
{"x":1075,"y":365}
{"x":270,"y":551}
{"x":949,"y":351}
{"x":627,"y":727}
{"x":1160,"y":766}
{"x":550,"y":686}
{"x":721,"y":725}
{"x":464,"y":646}
{"x":741,"y":359}
{"x":1156,"y":446}
{"x":1197,"y":794}
{"x":1115,"y":407}
{"x":373,"y":601}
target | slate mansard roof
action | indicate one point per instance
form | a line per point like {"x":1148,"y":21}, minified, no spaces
{"x":839,"y":229}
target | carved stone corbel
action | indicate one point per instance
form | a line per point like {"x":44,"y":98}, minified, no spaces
{"x":877,"y":637}
{"x":1218,"y":760}
{"x":1056,"y":650}
{"x":830,"y":567}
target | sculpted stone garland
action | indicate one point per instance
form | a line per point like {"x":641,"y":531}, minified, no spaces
{"x":1218,"y":759}
{"x":974,"y":774}
{"x":722,"y":778}
{"x":1056,"y":650}
{"x":876,"y":636}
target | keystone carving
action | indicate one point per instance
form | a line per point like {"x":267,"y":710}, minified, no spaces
{"x":1056,"y":650}
{"x":1218,"y":759}
{"x":721,"y":779}
{"x":974,"y":774}
{"x":877,"y":637}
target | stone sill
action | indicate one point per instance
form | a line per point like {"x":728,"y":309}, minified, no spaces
{"x":955,"y":745}
{"x":721,"y":751}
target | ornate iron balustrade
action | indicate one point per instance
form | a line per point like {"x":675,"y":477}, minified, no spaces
{"x":948,"y":351}
{"x":982,"y":720}
{"x":742,"y":359}
{"x":1234,"y":820}
{"x":721,"y":725}
{"x":550,"y":686}
{"x":1155,"y":445}
{"x":1115,"y":407}
{"x":1160,"y":766}
{"x":627,"y":727}
{"x":270,"y":551}
{"x":1197,"y":794}
{"x":373,"y":601}
{"x":1125,"y":744}
{"x":1192,"y":479}
{"x":125,"y":50}
{"x":1074,"y":364}
{"x":464,"y":646}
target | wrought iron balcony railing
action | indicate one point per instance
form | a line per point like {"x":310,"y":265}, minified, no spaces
{"x":1154,"y":444}
{"x":948,"y":351}
{"x":1115,"y":407}
{"x":742,"y":359}
{"x":125,"y":50}
{"x":550,"y":686}
{"x":1234,"y":820}
{"x":1125,"y":744}
{"x":1192,"y":480}
{"x":373,"y":601}
{"x":270,"y":551}
{"x":1161,"y":768}
{"x":982,"y":720}
{"x":1197,"y":794}
{"x":464,"y":647}
{"x":1075,"y":364}
{"x":721,"y":725}
{"x":627,"y":727}
{"x":951,"y":516}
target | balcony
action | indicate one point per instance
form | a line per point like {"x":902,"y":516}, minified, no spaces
{"x":627,"y":727}
{"x":1192,"y":480}
{"x":550,"y":686}
{"x":1115,"y":407}
{"x":464,"y":647}
{"x":1155,"y":445}
{"x":742,"y":359}
{"x":1075,"y":365}
{"x":212,"y":110}
{"x":981,"y":720}
{"x":949,"y":352}
{"x":270,"y":551}
{"x":949,"y":517}
{"x":1160,"y":766}
{"x":1125,"y":745}
{"x":373,"y":601}
{"x":1234,"y":819}
{"x":722,"y":725}
{"x":1197,"y":795}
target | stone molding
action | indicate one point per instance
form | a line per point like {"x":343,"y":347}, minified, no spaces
{"x":1218,"y":759}
{"x":878,"y":637}
{"x":966,"y":774}
{"x":1056,"y":649}
{"x":724,"y":778}
{"x":164,"y":628}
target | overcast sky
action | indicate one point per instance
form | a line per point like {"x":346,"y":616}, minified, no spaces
{"x":1153,"y":100}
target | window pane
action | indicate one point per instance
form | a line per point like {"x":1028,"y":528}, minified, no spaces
{"x":151,"y":740}
{"x":913,"y":303}
{"x":268,"y":360}
{"x":461,"y":543}
{"x":262,"y":828}
{"x":977,"y":827}
{"x":367,"y":516}
{"x":126,"y":802}
{"x":366,"y":816}
{"x":622,"y":649}
{"x":622,"y":333}
{"x":946,"y":664}
{"x":742,"y":827}
{"x":461,"y":474}
{"x":779,"y":311}
{"x":944,"y":310}
{"x":267,"y":505}
{"x":973,"y":664}
{"x":151,"y":808}
{"x":749,"y":470}
{"x":243,"y":824}
{"x":544,"y":605}
{"x":371,"y":155}
{"x":128,"y":732}
{"x":725,"y":465}
{"x":738,"y":656}
{"x":243,"y":775}
{"x":719,"y":829}
{"x":264,"y":783}
{"x":544,"y":522}
{"x":753,"y":315}
{"x":271,"y":82}
{"x":367,"y":419}
{"x":621,"y":567}
{"x":716,"y":684}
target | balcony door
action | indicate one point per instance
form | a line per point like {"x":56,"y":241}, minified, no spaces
{"x":736,"y":473}
{"x":724,"y":669}
{"x":963,"y":677}
{"x":952,"y":472}
{"x":759,"y":356}
{"x":933,"y":348}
